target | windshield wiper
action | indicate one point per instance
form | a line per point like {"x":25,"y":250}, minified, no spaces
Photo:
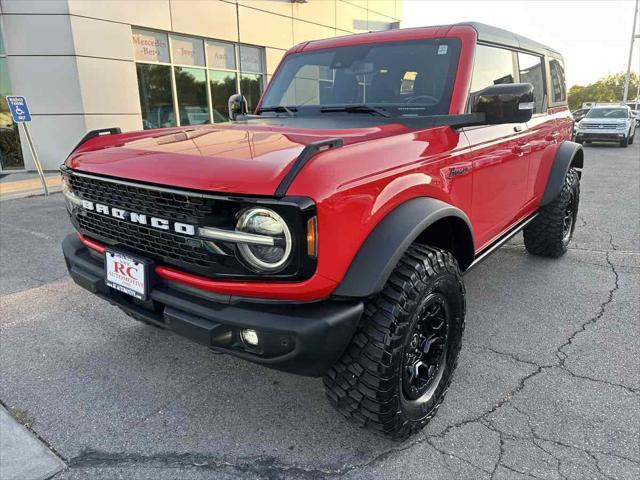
{"x":361,"y":108}
{"x":279,"y":108}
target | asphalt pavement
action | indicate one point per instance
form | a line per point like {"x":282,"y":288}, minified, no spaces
{"x":548,"y":383}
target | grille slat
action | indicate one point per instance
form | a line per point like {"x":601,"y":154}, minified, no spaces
{"x":160,"y":245}
{"x":139,"y":199}
{"x":601,"y":125}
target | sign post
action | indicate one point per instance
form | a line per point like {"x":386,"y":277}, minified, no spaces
{"x":21,"y":115}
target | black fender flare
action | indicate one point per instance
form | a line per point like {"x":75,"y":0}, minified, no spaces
{"x":389,"y":240}
{"x":569,"y":154}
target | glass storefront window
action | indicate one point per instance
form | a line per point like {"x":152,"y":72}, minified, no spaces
{"x":251,"y":59}
{"x":191,"y":88}
{"x":251,"y":88}
{"x":187,"y":50}
{"x":10,"y":149}
{"x":222,"y":85}
{"x":186,"y":99}
{"x":150,"y":46}
{"x":221,"y":55}
{"x":156,"y":100}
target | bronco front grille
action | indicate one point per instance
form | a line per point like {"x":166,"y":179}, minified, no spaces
{"x":167,"y":247}
{"x":139,"y":199}
{"x":159,"y":245}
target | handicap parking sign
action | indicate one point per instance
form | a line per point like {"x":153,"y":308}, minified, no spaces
{"x":19,"y":109}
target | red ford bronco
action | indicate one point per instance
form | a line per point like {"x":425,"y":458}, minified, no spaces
{"x":326,"y":234}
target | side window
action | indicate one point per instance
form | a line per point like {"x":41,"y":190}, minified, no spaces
{"x":558,"y":83}
{"x":531,"y":72}
{"x":491,"y":66}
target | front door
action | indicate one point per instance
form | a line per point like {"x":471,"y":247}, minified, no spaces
{"x":499,"y":153}
{"x":500,"y":162}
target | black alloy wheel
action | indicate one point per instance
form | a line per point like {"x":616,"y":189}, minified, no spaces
{"x":425,"y":355}
{"x":569,"y":218}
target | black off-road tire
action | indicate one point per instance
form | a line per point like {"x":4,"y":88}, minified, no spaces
{"x":631,"y":137}
{"x":369,"y":383}
{"x":550,"y":233}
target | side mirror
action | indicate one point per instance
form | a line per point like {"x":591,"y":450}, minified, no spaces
{"x":237,"y":106}
{"x":505,"y":103}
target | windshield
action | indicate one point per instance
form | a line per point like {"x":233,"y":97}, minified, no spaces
{"x":607,"y":113}
{"x":403,"y":78}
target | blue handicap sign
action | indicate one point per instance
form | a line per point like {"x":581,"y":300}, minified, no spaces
{"x":19,"y":109}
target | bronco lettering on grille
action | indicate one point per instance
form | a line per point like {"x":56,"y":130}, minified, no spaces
{"x":139,"y":218}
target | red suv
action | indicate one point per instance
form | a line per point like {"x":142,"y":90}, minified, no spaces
{"x":327,"y":233}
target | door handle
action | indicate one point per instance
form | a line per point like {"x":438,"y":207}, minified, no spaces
{"x":522,"y":148}
{"x":552,"y":138}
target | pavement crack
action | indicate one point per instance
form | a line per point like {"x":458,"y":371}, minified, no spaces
{"x":500,"y":452}
{"x":445,"y":454}
{"x":260,"y":466}
{"x":536,"y":436}
{"x":632,"y":390}
{"x":597,"y":465}
{"x":560,"y":352}
{"x":512,"y":356}
{"x":552,"y":455}
{"x":531,"y":475}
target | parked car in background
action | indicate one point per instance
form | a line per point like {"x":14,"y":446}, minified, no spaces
{"x":579,"y":114}
{"x":607,"y":124}
{"x":636,"y":115}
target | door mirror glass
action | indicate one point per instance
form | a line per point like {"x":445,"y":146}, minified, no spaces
{"x":237,"y":106}
{"x":505,"y":103}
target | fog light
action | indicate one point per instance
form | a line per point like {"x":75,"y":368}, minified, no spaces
{"x":250,"y":337}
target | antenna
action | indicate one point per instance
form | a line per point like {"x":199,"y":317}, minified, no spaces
{"x":633,"y":38}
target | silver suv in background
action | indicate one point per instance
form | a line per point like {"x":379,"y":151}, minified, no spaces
{"x":607,"y":124}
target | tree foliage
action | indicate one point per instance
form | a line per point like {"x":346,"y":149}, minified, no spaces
{"x":607,"y":89}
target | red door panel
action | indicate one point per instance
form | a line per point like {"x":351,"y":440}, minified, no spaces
{"x":499,"y":155}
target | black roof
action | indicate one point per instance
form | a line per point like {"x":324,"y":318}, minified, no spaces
{"x":489,"y":34}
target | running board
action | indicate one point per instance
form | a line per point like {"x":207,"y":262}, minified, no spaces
{"x":501,"y":241}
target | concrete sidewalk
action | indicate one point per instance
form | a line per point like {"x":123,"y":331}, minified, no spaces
{"x":27,"y":184}
{"x":22,"y":455}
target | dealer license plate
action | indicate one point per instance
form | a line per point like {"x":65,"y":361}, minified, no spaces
{"x":127,"y":274}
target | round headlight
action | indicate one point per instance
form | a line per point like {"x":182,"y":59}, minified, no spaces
{"x":262,"y":221}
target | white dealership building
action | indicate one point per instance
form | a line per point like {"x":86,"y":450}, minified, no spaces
{"x":134,"y":64}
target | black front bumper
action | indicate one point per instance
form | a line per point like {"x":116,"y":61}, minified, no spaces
{"x":298,"y":338}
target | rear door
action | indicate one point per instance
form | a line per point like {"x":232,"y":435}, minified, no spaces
{"x":545,"y":129}
{"x":499,"y":153}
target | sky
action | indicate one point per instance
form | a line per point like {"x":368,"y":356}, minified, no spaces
{"x":592,"y":35}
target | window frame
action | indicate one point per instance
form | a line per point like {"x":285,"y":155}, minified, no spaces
{"x":206,"y":67}
{"x":545,"y":81}
{"x":558,"y":58}
{"x":546,"y":102}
